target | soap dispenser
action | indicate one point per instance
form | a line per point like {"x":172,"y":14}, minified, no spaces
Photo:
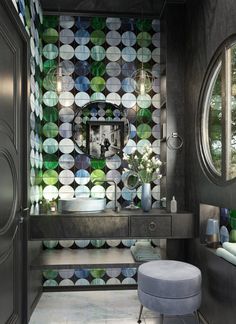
{"x":173,"y":205}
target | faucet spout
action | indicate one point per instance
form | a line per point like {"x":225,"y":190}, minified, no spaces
{"x":116,"y":208}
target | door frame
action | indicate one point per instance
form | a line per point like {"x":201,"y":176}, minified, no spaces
{"x":24,"y":133}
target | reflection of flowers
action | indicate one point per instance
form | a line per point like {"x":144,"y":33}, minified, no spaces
{"x":146,"y":166}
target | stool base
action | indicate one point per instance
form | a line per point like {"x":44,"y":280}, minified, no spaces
{"x":140,"y":314}
{"x":162,"y":316}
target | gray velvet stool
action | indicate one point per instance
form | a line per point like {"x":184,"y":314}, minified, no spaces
{"x":169,"y":288}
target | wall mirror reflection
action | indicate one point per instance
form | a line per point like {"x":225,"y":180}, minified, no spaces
{"x":100,"y":129}
{"x":218,"y":131}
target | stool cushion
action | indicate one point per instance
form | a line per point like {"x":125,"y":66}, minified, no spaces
{"x":169,"y":279}
{"x":170,"y":306}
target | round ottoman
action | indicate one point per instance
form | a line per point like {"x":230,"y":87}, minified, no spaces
{"x":169,"y":287}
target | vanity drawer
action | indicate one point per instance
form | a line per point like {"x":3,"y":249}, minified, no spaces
{"x":78,"y":227}
{"x":150,"y":226}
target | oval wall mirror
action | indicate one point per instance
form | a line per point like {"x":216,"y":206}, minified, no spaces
{"x":100,"y":129}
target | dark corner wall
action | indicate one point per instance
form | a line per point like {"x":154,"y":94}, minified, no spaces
{"x":207,"y":24}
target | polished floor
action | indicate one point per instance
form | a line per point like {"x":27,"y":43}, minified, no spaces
{"x":96,"y":307}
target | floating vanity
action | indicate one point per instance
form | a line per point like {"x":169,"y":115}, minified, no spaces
{"x":111,"y":225}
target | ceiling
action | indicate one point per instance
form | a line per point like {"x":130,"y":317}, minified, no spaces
{"x":146,"y":8}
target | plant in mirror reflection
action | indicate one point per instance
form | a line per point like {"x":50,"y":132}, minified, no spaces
{"x":144,"y":164}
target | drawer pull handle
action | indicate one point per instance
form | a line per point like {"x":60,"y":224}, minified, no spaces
{"x":152,"y":226}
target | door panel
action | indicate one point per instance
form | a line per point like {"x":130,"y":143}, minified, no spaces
{"x":13,"y":107}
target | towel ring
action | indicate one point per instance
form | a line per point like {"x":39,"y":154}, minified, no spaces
{"x":170,"y":144}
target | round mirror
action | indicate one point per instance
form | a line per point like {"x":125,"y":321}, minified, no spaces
{"x":131,"y":181}
{"x":100,"y":129}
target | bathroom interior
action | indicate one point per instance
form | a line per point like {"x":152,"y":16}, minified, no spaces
{"x":117,"y":152}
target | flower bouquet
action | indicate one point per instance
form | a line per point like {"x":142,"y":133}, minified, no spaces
{"x":147,"y":167}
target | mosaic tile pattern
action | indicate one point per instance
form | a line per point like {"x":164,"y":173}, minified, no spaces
{"x":98,"y":58}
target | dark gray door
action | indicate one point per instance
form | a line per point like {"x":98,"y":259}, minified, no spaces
{"x":13,"y":103}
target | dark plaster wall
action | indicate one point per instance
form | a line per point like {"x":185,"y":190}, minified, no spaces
{"x":174,"y":61}
{"x":207,"y":24}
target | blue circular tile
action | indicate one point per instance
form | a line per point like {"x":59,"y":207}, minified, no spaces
{"x":82,"y":83}
{"x":82,"y":22}
{"x":82,"y":37}
{"x":128,"y":85}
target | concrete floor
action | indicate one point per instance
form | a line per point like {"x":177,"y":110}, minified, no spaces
{"x":96,"y":307}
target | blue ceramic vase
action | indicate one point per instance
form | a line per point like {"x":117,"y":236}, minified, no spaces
{"x":146,"y":197}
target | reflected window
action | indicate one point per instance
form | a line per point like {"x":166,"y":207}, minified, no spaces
{"x":218,"y":120}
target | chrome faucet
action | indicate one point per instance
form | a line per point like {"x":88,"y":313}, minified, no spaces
{"x":116,"y":208}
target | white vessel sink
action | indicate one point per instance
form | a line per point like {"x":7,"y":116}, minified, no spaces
{"x":90,"y":205}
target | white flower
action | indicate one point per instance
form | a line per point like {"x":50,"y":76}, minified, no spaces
{"x":140,"y":167}
{"x":149,"y":170}
{"x":125,"y":157}
{"x":154,"y":160}
{"x":136,"y":158}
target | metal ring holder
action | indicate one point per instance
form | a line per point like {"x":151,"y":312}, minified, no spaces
{"x":174,"y":136}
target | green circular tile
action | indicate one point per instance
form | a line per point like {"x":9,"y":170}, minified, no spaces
{"x":50,"y":114}
{"x":98,"y":243}
{"x":38,"y":126}
{"x":144,"y":116}
{"x":50,"y":161}
{"x":50,"y":51}
{"x":144,"y":131}
{"x":50,"y":35}
{"x":98,"y":37}
{"x":49,"y":82}
{"x":98,"y":164}
{"x":50,"y":146}
{"x":144,"y":101}
{"x":97,"y":84}
{"x":50,"y":130}
{"x":98,"y":53}
{"x":50,"y":21}
{"x":27,"y":17}
{"x":98,"y":68}
{"x":144,"y":39}
{"x":144,"y":54}
{"x":98,"y":23}
{"x":38,"y":177}
{"x":109,"y":112}
{"x":144,"y":24}
{"x":50,"y":98}
{"x":50,"y":274}
{"x":50,"y":244}
{"x":50,"y":177}
{"x":97,"y":273}
{"x":50,"y":283}
{"x":48,"y":65}
{"x":97,"y":175}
